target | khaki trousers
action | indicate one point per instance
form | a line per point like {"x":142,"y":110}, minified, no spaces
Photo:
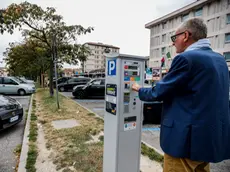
{"x":172,"y":164}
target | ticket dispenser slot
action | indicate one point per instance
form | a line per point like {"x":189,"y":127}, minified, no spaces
{"x":123,"y":113}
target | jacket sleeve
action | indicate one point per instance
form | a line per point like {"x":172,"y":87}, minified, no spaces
{"x":176,"y":78}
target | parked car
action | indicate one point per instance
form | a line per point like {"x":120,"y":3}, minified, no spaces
{"x":93,"y":89}
{"x":11,"y":85}
{"x":152,"y":110}
{"x":11,"y":112}
{"x":61,"y":80}
{"x":69,"y":84}
{"x":26,"y":80}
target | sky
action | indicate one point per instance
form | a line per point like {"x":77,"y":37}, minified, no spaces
{"x":116,"y":22}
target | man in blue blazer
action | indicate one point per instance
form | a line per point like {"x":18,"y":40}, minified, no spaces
{"x":195,"y":94}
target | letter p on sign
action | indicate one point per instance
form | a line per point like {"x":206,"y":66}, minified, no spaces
{"x":112,"y":67}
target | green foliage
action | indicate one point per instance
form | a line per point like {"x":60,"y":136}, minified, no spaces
{"x":42,"y":26}
{"x":151,"y":153}
{"x":27,"y":59}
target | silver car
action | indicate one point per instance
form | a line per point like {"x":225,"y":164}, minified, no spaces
{"x":11,"y":85}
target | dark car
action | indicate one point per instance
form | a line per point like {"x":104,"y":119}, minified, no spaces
{"x":61,"y":80}
{"x":69,"y":84}
{"x":93,"y":89}
{"x":11,"y":112}
{"x":152,"y":112}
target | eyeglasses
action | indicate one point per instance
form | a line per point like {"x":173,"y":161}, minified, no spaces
{"x":173,"y":38}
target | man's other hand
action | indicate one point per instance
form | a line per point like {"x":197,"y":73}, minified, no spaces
{"x":135,"y":87}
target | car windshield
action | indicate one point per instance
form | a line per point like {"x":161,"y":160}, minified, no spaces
{"x":90,"y":81}
{"x":70,"y":80}
{"x":19,"y":80}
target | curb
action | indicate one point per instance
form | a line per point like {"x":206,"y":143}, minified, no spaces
{"x":155,"y":149}
{"x":25,"y":142}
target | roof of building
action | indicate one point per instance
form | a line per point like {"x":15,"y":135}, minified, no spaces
{"x":183,"y":10}
{"x":101,"y":45}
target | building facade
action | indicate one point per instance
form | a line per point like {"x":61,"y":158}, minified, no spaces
{"x":216,"y":14}
{"x":3,"y":71}
{"x":71,"y":71}
{"x":96,"y":60}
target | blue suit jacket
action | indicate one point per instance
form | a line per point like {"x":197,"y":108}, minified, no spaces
{"x":195,"y":119}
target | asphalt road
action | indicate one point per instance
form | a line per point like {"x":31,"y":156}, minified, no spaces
{"x":150,"y":133}
{"x":10,"y":138}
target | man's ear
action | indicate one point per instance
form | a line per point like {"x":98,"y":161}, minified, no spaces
{"x":186,"y":36}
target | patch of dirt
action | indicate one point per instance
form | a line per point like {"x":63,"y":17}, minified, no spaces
{"x":148,"y":165}
{"x":95,"y":139}
{"x":43,"y":163}
{"x":66,"y":149}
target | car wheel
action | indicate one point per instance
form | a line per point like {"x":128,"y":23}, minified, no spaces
{"x":62,"y":89}
{"x":80,"y":95}
{"x":21,"y":92}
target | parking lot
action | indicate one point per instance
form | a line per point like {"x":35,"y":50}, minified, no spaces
{"x":11,"y":138}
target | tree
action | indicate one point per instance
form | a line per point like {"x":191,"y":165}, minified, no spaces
{"x":27,"y":59}
{"x":45,"y":26}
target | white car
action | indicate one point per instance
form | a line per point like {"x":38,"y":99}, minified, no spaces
{"x":11,"y":85}
{"x":25,"y":81}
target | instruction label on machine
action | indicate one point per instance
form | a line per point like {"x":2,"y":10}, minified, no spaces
{"x":130,"y":123}
{"x":111,"y":98}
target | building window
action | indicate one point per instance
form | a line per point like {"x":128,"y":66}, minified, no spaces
{"x":163,"y":51}
{"x":164,"y":25}
{"x":184,"y":17}
{"x":227,"y":38}
{"x":227,"y":56}
{"x":228,"y":19}
{"x":164,"y":38}
{"x":199,"y":12}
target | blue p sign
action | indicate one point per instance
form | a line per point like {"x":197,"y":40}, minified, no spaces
{"x":112,"y":67}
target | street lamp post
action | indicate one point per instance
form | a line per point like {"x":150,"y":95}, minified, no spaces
{"x":54,"y":48}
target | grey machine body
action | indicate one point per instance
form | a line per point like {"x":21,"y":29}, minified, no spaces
{"x":123,"y":113}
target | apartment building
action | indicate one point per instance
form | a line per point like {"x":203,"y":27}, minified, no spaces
{"x":97,"y":59}
{"x":216,"y":14}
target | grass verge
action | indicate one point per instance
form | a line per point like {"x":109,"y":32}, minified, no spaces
{"x":32,"y":153}
{"x":72,"y":150}
{"x":37,"y":85}
{"x":151,"y":153}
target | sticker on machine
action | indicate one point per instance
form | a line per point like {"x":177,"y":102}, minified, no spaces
{"x":111,"y":89}
{"x":130,"y":123}
{"x":111,"y":108}
{"x":111,"y":99}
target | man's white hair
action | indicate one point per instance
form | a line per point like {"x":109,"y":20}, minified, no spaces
{"x":196,"y":27}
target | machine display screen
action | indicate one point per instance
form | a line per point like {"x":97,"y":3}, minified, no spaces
{"x":133,"y":67}
{"x":135,"y":73}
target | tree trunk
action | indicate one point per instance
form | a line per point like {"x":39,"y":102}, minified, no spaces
{"x":51,"y":79}
{"x":40,"y":78}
